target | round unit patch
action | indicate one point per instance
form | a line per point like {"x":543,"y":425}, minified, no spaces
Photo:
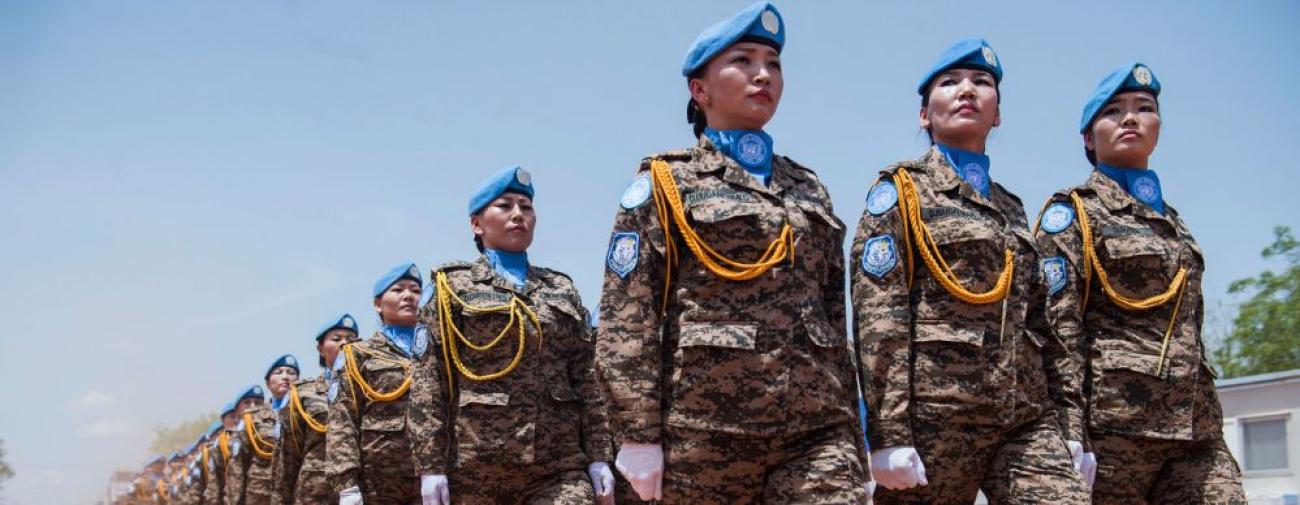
{"x":973,"y":173}
{"x":751,"y":150}
{"x":421,"y":341}
{"x":882,"y":197}
{"x":1146,"y":190}
{"x":1056,"y":218}
{"x":637,"y":192}
{"x":1142,"y":75}
{"x":770,"y":22}
{"x":990,"y":57}
{"x":523,"y":177}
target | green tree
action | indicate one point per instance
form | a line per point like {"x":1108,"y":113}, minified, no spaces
{"x":6,"y":472}
{"x":1265,"y":335}
{"x":167,"y":439}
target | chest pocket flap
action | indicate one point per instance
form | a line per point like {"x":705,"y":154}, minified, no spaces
{"x":1132,"y":246}
{"x":727,"y":335}
{"x":959,"y":229}
{"x":937,"y":331}
{"x":476,"y":398}
{"x":731,"y":205}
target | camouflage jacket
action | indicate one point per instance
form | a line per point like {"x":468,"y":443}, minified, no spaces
{"x":759,"y":357}
{"x":550,"y":410}
{"x":218,"y":460}
{"x":367,"y":442}
{"x":929,"y":353}
{"x":299,"y":463}
{"x":1116,"y":351}
{"x":248,"y":478}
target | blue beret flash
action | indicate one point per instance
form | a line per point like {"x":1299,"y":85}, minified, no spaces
{"x":760,"y":22}
{"x":513,"y":179}
{"x":251,"y":392}
{"x":229,"y":407}
{"x":1133,"y":76}
{"x":399,"y":272}
{"x":343,"y":322}
{"x":973,"y":53}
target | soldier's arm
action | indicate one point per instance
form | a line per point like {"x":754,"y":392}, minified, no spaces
{"x":833,"y":299}
{"x":596,"y":440}
{"x":1061,"y":325}
{"x":211,"y":494}
{"x":629,"y":340}
{"x":238,"y":471}
{"x":342,"y":436}
{"x":882,"y":317}
{"x":287,"y":459}
{"x":428,"y":408}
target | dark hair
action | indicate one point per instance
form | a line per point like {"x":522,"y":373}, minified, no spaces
{"x":1091,"y":155}
{"x":478,"y":243}
{"x":694,"y":114}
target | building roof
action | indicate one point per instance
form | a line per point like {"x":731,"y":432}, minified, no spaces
{"x":1286,"y":376}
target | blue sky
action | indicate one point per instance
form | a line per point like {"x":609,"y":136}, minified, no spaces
{"x":189,"y":189}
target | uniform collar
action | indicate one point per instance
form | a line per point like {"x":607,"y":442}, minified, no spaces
{"x":401,"y":337}
{"x":1135,"y":181}
{"x":710,"y":159}
{"x":277,"y":403}
{"x":971,"y":167}
{"x":483,"y":272}
{"x":512,"y":266}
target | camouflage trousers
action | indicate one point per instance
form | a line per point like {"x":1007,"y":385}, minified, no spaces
{"x":814,"y":467}
{"x":1026,"y":464}
{"x":520,"y":485}
{"x":313,"y":488}
{"x":1135,"y":470}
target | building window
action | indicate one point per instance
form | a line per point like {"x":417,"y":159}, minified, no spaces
{"x":1265,"y":444}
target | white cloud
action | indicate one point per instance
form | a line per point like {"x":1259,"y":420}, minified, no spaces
{"x":103,"y":428}
{"x":92,"y":399}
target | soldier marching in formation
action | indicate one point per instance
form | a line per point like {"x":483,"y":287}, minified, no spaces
{"x":1062,"y":364}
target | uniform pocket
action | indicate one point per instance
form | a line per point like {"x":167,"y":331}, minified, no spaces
{"x":1126,"y":388}
{"x":733,"y":336}
{"x":563,"y":421}
{"x":1138,"y":264}
{"x":485,"y":425}
{"x":950,"y":365}
{"x":714,"y":373}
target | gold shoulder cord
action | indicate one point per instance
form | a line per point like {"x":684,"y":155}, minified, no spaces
{"x":1091,"y":264}
{"x":915,"y":229}
{"x":520,"y":317}
{"x":261,"y":447}
{"x":204,"y":467}
{"x":161,"y":487}
{"x":295,"y":402}
{"x":353,"y":371}
{"x":223,"y":442}
{"x":668,"y":202}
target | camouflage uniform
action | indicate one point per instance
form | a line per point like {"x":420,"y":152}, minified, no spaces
{"x":1157,"y":429}
{"x":248,"y":479}
{"x":299,"y":463}
{"x":741,"y":372}
{"x":218,"y":461}
{"x":967,"y":385}
{"x":526,"y":437}
{"x":367,"y":443}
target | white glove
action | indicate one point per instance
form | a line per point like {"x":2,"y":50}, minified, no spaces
{"x":350,"y":496}
{"x":1084,"y":462}
{"x":870,"y":488}
{"x":898,"y":468}
{"x":602,"y":481}
{"x":434,"y":490}
{"x":643,"y":466}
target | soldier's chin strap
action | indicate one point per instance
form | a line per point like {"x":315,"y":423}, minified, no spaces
{"x":668,"y":202}
{"x":1091,"y":264}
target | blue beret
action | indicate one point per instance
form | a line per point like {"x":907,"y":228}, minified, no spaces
{"x":966,"y":53}
{"x":174,"y":456}
{"x":760,"y":22}
{"x":1131,"y":77}
{"x":286,"y":360}
{"x":154,"y":460}
{"x":344,"y":322}
{"x":251,"y":392}
{"x":399,"y":272}
{"x":228,"y":407}
{"x":508,"y":179}
{"x":212,"y":428}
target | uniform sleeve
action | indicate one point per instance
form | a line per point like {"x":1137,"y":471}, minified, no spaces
{"x":212,"y":491}
{"x":287,"y":459}
{"x":237,"y":472}
{"x":342,"y":436}
{"x":629,"y":341}
{"x":428,"y":410}
{"x":882,"y":319}
{"x":596,"y":440}
{"x":833,"y":300}
{"x":1064,"y":354}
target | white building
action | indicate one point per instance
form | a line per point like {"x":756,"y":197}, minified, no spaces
{"x":1261,"y":424}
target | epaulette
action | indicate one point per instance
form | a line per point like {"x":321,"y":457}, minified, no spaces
{"x":670,"y":156}
{"x":454,"y":265}
{"x":556,"y":273}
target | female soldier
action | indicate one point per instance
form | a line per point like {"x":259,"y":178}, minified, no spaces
{"x":948,"y":307}
{"x":300,"y":473}
{"x":722,"y":317}
{"x":238,"y":464}
{"x":219,"y":452}
{"x":527,"y":411}
{"x":258,"y":433}
{"x":1124,"y":278}
{"x":366,"y":440}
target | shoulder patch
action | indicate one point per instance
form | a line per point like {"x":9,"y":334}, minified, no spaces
{"x":637,"y":192}
{"x":1056,"y":218}
{"x":879,"y":256}
{"x":421,"y":343}
{"x":882,"y":197}
{"x":1055,"y":274}
{"x":624,"y":252}
{"x":333,"y":391}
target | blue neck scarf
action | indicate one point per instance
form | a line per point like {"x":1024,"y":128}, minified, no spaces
{"x":1142,"y":183}
{"x":277,"y":403}
{"x":329,"y":375}
{"x":401,"y":336}
{"x":752,"y":149}
{"x":970,"y":166}
{"x":511,"y":265}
